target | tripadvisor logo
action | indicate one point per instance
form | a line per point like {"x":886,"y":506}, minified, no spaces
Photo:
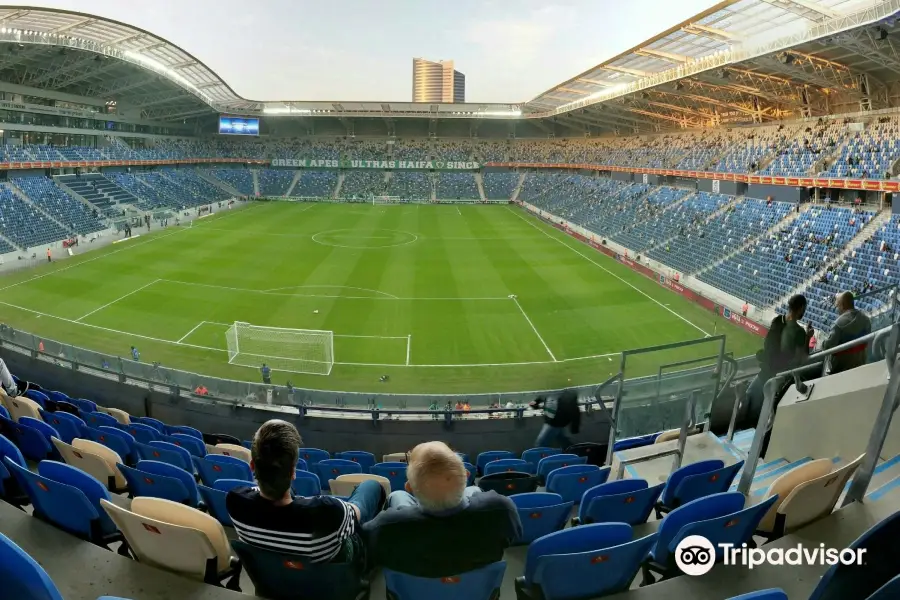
{"x":695,"y":555}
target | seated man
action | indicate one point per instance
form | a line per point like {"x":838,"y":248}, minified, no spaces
{"x":850,"y":325}
{"x":320,"y":528}
{"x":439,"y":527}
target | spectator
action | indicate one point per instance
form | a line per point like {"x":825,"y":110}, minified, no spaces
{"x":433,"y":407}
{"x":9,"y":384}
{"x":745,"y":308}
{"x":319,"y":528}
{"x":850,"y":325}
{"x":266,"y":373}
{"x":201,"y":390}
{"x":428,"y":530}
{"x":135,"y":355}
{"x":559,"y":413}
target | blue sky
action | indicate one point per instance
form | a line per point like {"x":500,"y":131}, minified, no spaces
{"x":510,"y":50}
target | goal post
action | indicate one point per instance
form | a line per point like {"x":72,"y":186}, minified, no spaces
{"x":385,"y":199}
{"x":282,"y":349}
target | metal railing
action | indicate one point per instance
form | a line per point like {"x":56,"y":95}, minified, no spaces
{"x":774,"y":385}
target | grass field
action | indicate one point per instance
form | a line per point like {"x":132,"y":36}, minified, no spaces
{"x":417,"y":292}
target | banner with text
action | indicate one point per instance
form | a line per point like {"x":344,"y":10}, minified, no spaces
{"x":400,"y":165}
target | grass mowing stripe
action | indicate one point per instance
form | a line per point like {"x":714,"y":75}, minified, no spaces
{"x":122,"y":297}
{"x":632,"y":286}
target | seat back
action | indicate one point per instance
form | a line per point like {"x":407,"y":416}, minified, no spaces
{"x":313,"y":455}
{"x":301,"y":465}
{"x":334,"y":468}
{"x":97,"y":418}
{"x":701,"y":509}
{"x":21,"y":406}
{"x":218,"y":466}
{"x":394,"y":457}
{"x":485,"y":457}
{"x":84,"y":405}
{"x":592,"y":573}
{"x":93,"y":489}
{"x":698,"y":485}
{"x":770,"y":594}
{"x":480,"y":584}
{"x":470,"y":473}
{"x":143,"y":433}
{"x":8,"y":449}
{"x":118,"y":414}
{"x":22,"y":577}
{"x":120,"y":441}
{"x":231,"y":450}
{"x":190,"y":443}
{"x":215,"y":503}
{"x":703,"y":466}
{"x":623,"y":501}
{"x":889,"y":591}
{"x":365,"y":459}
{"x":395,"y":472}
{"x":33,"y":437}
{"x":540,"y":513}
{"x":816,"y":498}
{"x":152,"y":485}
{"x":185,"y":430}
{"x":508,"y":465}
{"x":785,"y":484}
{"x":507,"y":484}
{"x":534,"y":455}
{"x":62,"y":505}
{"x":306,"y":484}
{"x":278,"y":576}
{"x":572,"y":482}
{"x":85,"y":456}
{"x":736,"y":528}
{"x":68,"y":426}
{"x":170,"y":453}
{"x":183,"y":549}
{"x":573,"y":540}
{"x":882,"y":545}
{"x":556,"y":461}
{"x":344,"y":485}
{"x":156,"y":424}
{"x":40,"y":398}
{"x":169,"y":470}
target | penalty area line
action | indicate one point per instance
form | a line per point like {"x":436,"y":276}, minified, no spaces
{"x":122,"y":297}
{"x":596,"y":264}
{"x":533,"y":328}
{"x":188,"y":334}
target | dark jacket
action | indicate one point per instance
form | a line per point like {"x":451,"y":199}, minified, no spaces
{"x":850,"y":325}
{"x":562,"y":411}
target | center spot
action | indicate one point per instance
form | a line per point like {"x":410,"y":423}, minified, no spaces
{"x":376,"y":238}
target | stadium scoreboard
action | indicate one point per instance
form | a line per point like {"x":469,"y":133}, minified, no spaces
{"x":238,"y":125}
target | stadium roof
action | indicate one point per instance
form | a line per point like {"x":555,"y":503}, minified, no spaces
{"x":741,"y":60}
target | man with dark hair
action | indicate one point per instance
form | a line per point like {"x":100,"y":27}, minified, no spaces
{"x":851,"y":324}
{"x":559,"y":413}
{"x":319,"y":528}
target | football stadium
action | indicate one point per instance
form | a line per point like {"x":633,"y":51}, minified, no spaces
{"x":634,"y":337}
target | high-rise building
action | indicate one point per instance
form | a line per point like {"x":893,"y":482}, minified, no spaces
{"x":437,"y":81}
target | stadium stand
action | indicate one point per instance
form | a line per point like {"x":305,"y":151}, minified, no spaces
{"x":456,"y":186}
{"x":362,"y":184}
{"x":274,"y":182}
{"x":316,"y":184}
{"x":239,"y":179}
{"x":24,"y":224}
{"x":47,"y":196}
{"x":410,"y":184}
{"x":500,"y":185}
{"x":100,"y":191}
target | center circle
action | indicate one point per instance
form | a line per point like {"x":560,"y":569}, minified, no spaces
{"x":368,"y":240}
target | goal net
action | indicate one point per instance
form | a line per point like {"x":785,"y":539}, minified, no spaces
{"x":282,"y":349}
{"x":386,"y":200}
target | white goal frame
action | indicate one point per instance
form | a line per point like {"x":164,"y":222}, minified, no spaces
{"x":386,"y":200}
{"x":280,"y":348}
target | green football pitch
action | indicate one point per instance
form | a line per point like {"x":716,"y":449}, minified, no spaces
{"x":440,"y":298}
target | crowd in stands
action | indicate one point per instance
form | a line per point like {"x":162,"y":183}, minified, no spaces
{"x":410,"y":185}
{"x":316,"y":184}
{"x":363,"y":184}
{"x":274,"y":182}
{"x":456,"y":186}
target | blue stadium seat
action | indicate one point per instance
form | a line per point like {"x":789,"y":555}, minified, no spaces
{"x":541,"y":513}
{"x":622,"y":501}
{"x":184,"y":429}
{"x":635,"y":442}
{"x":573,"y":481}
{"x":470,"y":469}
{"x":720,"y":518}
{"x":190,"y":443}
{"x":694,"y":481}
{"x":480,"y":584}
{"x":333,"y":468}
{"x":584,"y":562}
{"x":154,"y":485}
{"x":486,"y":457}
{"x":889,"y":591}
{"x":9,"y":487}
{"x":84,"y":405}
{"x":67,"y":425}
{"x":70,"y":499}
{"x":165,"y":452}
{"x":770,"y":594}
{"x":214,"y":497}
{"x":156,"y":424}
{"x":217,"y":466}
{"x":301,"y":465}
{"x":22,"y":577}
{"x":534,"y":455}
{"x":365,"y":459}
{"x":40,"y":397}
{"x":306,"y":484}
{"x":130,"y":455}
{"x":508,"y":465}
{"x":114,"y":443}
{"x":142,"y":432}
{"x":278,"y":576}
{"x":97,"y":419}
{"x":313,"y":455}
{"x":395,"y":472}
{"x":155,"y":467}
{"x":33,"y":438}
{"x":555,"y":462}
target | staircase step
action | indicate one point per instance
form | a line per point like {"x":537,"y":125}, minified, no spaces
{"x":763,"y":480}
{"x":886,"y":474}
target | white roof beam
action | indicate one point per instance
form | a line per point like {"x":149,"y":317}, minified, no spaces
{"x":74,"y":25}
{"x":627,"y":71}
{"x":710,"y":32}
{"x":669,"y":56}
{"x":809,"y":5}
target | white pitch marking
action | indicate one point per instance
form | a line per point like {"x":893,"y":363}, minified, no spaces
{"x":408,"y":344}
{"x":457,"y":210}
{"x":188,"y":334}
{"x":595,"y":263}
{"x":346,"y":287}
{"x":96,"y":310}
{"x":533,"y":328}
